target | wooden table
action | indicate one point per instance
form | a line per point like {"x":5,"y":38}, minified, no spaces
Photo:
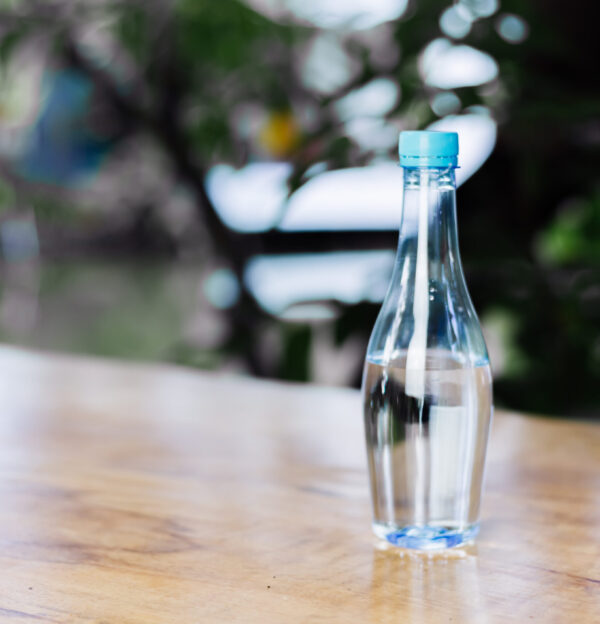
{"x":142,"y":494}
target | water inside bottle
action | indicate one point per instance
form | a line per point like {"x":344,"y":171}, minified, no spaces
{"x":426,"y":454}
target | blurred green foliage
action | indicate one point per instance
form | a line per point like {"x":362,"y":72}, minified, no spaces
{"x":572,"y":237}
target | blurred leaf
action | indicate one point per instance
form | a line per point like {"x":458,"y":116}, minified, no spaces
{"x":131,"y":28}
{"x":211,"y":135}
{"x":7,"y":196}
{"x":573,"y":236}
{"x":9,"y":41}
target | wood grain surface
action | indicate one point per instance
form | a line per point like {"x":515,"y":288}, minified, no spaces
{"x":139,"y":494}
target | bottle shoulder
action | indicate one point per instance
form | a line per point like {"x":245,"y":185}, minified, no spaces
{"x":449,"y":320}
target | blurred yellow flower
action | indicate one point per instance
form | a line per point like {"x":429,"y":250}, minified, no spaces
{"x":279,"y":134}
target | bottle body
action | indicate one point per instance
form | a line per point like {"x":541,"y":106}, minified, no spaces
{"x":427,"y":384}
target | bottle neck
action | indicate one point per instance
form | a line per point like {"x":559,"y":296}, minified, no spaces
{"x":428,"y":232}
{"x":428,"y":258}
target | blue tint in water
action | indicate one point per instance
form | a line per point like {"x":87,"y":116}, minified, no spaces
{"x":427,"y":537}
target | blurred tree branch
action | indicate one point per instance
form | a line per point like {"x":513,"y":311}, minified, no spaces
{"x":164,"y":125}
{"x":163,"y":122}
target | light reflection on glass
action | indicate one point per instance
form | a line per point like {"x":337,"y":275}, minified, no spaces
{"x":435,"y":587}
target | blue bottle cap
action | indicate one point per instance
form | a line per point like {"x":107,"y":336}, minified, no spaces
{"x":426,"y":148}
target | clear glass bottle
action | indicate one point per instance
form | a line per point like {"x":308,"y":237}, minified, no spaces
{"x":427,"y":385}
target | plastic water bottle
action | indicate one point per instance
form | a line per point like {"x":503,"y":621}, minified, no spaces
{"x":427,"y":385}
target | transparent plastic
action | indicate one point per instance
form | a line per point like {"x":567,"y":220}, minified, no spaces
{"x":427,"y":385}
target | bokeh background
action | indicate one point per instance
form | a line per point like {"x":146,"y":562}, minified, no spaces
{"x":213,"y":183}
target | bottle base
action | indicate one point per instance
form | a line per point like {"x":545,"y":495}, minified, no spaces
{"x":428,"y":537}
